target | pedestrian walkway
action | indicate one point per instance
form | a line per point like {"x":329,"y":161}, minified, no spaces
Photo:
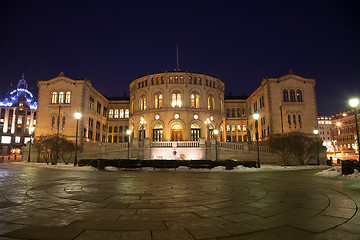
{"x":40,"y":203}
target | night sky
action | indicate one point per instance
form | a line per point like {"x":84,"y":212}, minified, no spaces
{"x":240,"y":42}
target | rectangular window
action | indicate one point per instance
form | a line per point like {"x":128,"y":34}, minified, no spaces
{"x":19,"y":121}
{"x":127,"y":113}
{"x":121,"y":113}
{"x":111,"y":113}
{"x":6,"y":139}
{"x":17,"y":139}
{"x":116,"y":114}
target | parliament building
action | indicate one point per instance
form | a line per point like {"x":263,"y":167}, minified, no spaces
{"x":176,"y":106}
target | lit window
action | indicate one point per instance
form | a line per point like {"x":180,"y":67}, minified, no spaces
{"x":28,"y":121}
{"x":298,"y":95}
{"x":34,"y":122}
{"x":61,"y":97}
{"x":244,"y":128}
{"x":195,"y":100}
{"x":67,"y":97}
{"x":121,"y":113}
{"x":158,"y":100}
{"x":116,"y":113}
{"x":53,"y":97}
{"x":5,"y":139}
{"x":19,"y":121}
{"x":111,"y":113}
{"x":176,"y":100}
{"x":211,"y":102}
{"x":126,"y":113}
{"x":239,"y":128}
{"x":233,"y":128}
{"x":228,"y":128}
{"x":142,"y":103}
{"x":17,"y":139}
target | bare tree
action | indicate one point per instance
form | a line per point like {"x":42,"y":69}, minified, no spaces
{"x":54,"y":147}
{"x":297,"y":145}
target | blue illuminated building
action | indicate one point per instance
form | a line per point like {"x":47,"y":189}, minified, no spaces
{"x":17,"y":118}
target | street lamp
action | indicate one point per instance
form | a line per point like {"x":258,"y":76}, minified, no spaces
{"x":31,"y":131}
{"x":354,"y":103}
{"x":207,"y":122}
{"x":317,"y":148}
{"x":256,"y":117}
{"x":142,"y":131}
{"x":338,"y":125}
{"x":216,"y":132}
{"x":128,"y":132}
{"x":77,"y":117}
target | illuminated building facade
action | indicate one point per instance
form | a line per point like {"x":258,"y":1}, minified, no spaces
{"x":343,"y":131}
{"x":17,"y":115}
{"x":176,"y":106}
{"x":324,"y":127}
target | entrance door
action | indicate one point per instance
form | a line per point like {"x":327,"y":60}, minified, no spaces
{"x":176,"y":132}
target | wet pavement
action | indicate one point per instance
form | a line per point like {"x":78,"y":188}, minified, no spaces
{"x":41,"y":203}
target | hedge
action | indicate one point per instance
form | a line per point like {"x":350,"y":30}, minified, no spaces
{"x":150,"y":163}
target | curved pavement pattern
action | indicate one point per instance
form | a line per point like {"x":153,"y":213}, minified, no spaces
{"x":40,"y":203}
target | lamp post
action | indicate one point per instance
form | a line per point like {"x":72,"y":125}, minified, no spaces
{"x":338,"y":124}
{"x":128,"y":132}
{"x":354,"y":103}
{"x":317,"y":148}
{"x":283,"y":136}
{"x":256,"y":117}
{"x":31,"y":131}
{"x":142,"y":131}
{"x":207,"y":122}
{"x":216,"y":133}
{"x":77,"y":117}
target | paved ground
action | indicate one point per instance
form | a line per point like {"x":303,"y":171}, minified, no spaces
{"x":38,"y":203}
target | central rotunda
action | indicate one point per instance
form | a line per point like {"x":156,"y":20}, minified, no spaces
{"x":177,"y":106}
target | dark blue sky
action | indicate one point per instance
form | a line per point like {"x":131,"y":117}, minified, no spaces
{"x":113,"y":42}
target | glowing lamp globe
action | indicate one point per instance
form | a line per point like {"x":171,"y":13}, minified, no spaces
{"x":77,"y":115}
{"x":316,"y":131}
{"x":256,"y":116}
{"x":216,"y":132}
{"x":128,"y":132}
{"x":354,"y":102}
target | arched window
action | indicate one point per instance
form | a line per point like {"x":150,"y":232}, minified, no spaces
{"x":121,"y":113}
{"x":171,"y":79}
{"x":211,"y":102}
{"x":195,"y":132}
{"x":239,"y":128}
{"x":285,"y":95}
{"x":195,"y":100}
{"x":126,"y":113}
{"x":244,"y":128}
{"x":300,"y":123}
{"x":162,"y":80}
{"x":121,"y":129}
{"x":298,"y":95}
{"x":115,"y":129}
{"x":115,"y":138}
{"x":181,"y":79}
{"x":289,"y":121}
{"x":116,"y":114}
{"x":110,"y":138}
{"x":176,"y":99}
{"x":238,"y":112}
{"x":292,"y":95}
{"x":61,"y":97}
{"x":110,"y":129}
{"x":54,"y":97}
{"x":111,"y":113}
{"x":176,"y":79}
{"x":142,"y":103}
{"x":243,"y":114}
{"x":67,"y":97}
{"x":157,"y":132}
{"x":227,"y":112}
{"x":228,"y":128}
{"x":158,"y":100}
{"x":233,"y":112}
{"x":233,"y":128}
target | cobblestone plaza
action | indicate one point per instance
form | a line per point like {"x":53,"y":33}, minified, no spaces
{"x":41,"y":203}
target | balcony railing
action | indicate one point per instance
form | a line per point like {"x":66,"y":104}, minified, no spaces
{"x":184,"y":144}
